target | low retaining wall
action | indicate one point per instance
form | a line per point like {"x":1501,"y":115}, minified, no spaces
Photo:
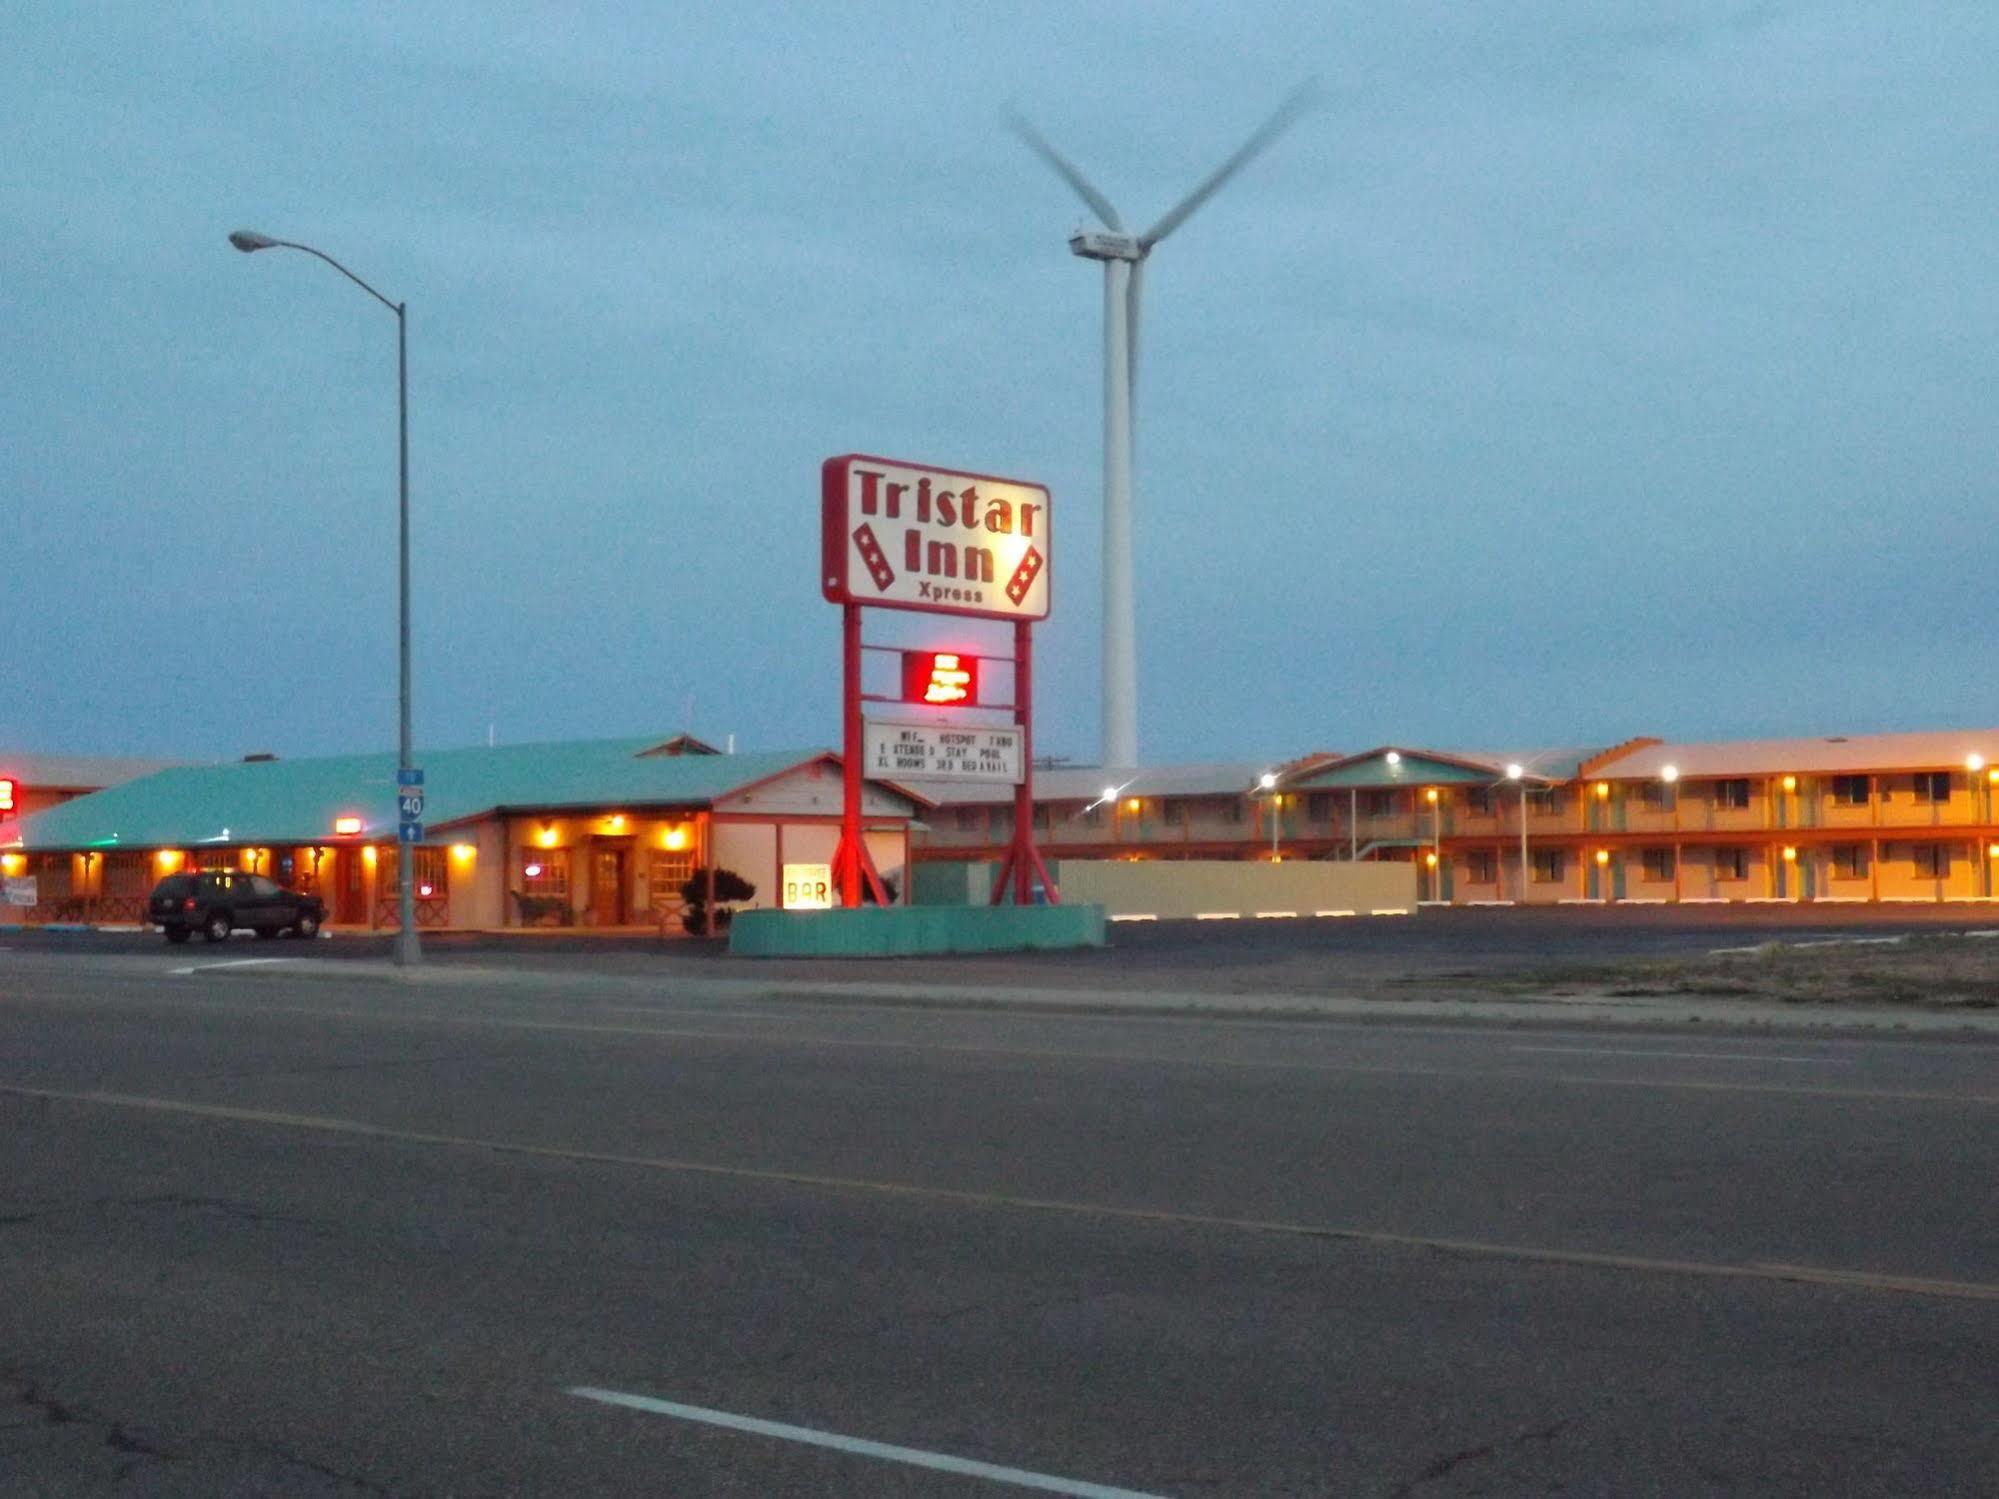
{"x":1179,"y":889}
{"x":901,"y":931}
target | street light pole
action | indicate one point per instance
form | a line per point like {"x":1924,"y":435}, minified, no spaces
{"x":408,"y":950}
{"x":1269,"y":783}
{"x":1519,"y":773}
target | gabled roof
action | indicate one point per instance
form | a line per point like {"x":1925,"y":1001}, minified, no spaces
{"x":1416,"y":766}
{"x":296,"y":801}
{"x":74,"y":772}
{"x":1088,"y":783}
{"x":1939,"y":749}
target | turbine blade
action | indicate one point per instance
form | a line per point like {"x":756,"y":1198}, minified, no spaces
{"x":1301,"y":98}
{"x":1065,"y":169}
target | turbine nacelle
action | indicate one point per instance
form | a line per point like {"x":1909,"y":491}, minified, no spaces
{"x":1102,"y":244}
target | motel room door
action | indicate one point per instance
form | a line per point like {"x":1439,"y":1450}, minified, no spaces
{"x":610,"y":868}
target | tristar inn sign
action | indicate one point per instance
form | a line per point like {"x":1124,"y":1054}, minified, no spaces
{"x":898,"y":536}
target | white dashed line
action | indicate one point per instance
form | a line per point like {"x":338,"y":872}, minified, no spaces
{"x":861,"y":1447}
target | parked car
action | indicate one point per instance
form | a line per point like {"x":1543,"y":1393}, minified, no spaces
{"x":220,"y":901}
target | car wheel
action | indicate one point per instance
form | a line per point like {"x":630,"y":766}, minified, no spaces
{"x":178,"y":934}
{"x":308,"y":925}
{"x":216,"y":928}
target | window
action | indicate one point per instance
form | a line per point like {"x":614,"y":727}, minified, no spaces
{"x":671,"y":869}
{"x":1733,"y":793}
{"x":1849,"y":791}
{"x":431,"y":868}
{"x":1042,"y":814}
{"x":262,"y":887}
{"x":1731,"y":864}
{"x":1849,"y":860}
{"x":1932,"y":859}
{"x":1379,"y":803}
{"x":1319,"y":806}
{"x":1092,"y":815}
{"x":546,"y":872}
{"x":1545,"y":801}
{"x":1482,"y":867}
{"x":1230,"y":809}
{"x":1933,"y":786}
{"x":970,"y":819}
{"x":127,"y":873}
{"x":1657,"y":796}
{"x":1478,"y":801}
{"x":1658,"y":863}
{"x":1548,"y":866}
{"x":1173,"y":811}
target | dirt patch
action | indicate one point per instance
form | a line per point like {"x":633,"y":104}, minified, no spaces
{"x":1948,"y":971}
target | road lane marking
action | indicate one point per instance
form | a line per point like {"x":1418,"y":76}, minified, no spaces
{"x":972,"y":1197}
{"x":1695,"y":1056}
{"x":229,"y":963}
{"x":860,"y":1446}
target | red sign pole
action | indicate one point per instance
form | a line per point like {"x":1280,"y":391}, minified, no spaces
{"x":1023,"y":860}
{"x":852,"y":862}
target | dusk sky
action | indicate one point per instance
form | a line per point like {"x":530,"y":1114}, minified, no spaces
{"x":1573,"y":371}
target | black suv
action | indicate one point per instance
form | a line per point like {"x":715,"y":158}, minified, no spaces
{"x":220,"y":901}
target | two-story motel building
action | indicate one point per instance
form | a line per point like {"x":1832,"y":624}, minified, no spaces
{"x":1877,"y":817}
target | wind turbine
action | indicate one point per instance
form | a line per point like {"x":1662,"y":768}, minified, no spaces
{"x":1124,"y":258}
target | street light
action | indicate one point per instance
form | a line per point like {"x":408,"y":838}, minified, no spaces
{"x":408,"y":951}
{"x":1436,"y":843}
{"x":1517,"y":772}
{"x":1268,"y":782}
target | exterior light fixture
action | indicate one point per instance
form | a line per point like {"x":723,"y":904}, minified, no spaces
{"x":1974,"y":762}
{"x":1790,"y":854}
{"x":1266,"y":780}
{"x":1430,"y":795}
{"x":1515,"y":772}
{"x":1431,"y":860}
{"x":546,"y":838}
{"x":423,"y":890}
{"x":346,"y":827}
{"x":1603,"y":856}
{"x":1110,"y":794}
{"x":463,"y":852}
{"x":1992,"y":850}
{"x":675,"y":838}
{"x":1394,"y":757}
{"x":1790,"y":783}
{"x":1603,"y":791}
{"x":1669,"y":774}
{"x":533,"y":871}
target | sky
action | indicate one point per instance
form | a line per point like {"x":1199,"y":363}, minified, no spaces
{"x":1571,"y":371}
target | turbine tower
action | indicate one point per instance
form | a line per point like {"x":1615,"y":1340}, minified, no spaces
{"x":1124,"y":257}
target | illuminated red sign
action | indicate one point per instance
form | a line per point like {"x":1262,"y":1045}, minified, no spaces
{"x":6,"y":794}
{"x":941,"y":678}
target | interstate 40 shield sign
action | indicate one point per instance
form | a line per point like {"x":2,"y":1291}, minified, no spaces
{"x":899,"y":535}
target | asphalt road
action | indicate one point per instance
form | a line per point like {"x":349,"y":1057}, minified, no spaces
{"x":322,"y":1232}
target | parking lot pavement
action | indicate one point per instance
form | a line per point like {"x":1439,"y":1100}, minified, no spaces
{"x":1440,"y":964}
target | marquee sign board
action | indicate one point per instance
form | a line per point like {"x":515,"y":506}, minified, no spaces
{"x":899,"y":535}
{"x":936,"y":752}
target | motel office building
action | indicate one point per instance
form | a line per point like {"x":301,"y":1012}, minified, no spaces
{"x":600,"y":833}
{"x":1886,"y":817}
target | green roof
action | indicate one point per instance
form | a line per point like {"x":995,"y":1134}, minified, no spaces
{"x":296,"y":801}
